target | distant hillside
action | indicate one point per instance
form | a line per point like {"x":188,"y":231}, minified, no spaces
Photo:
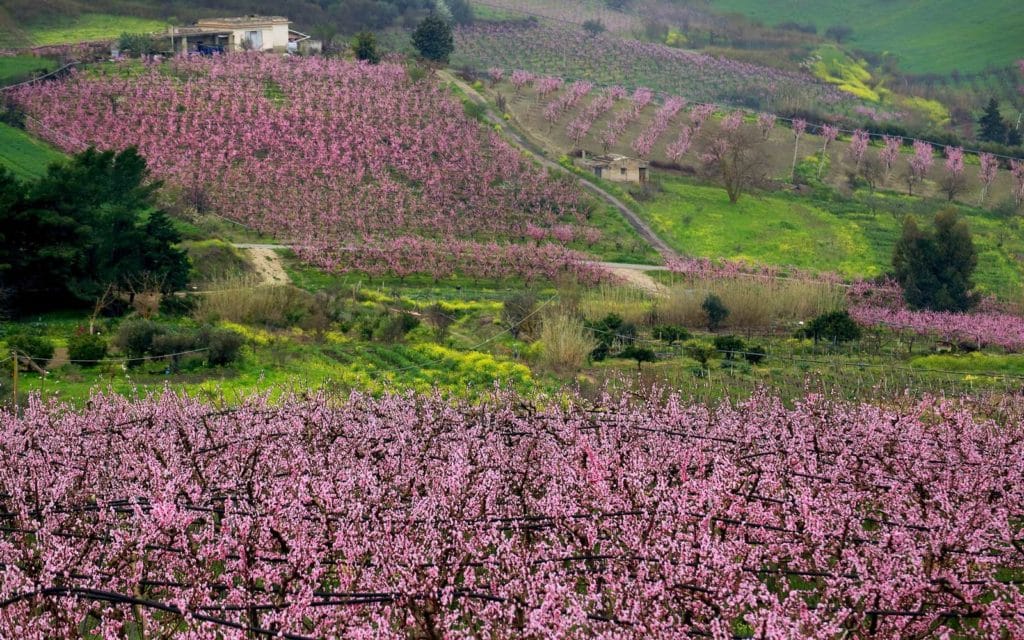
{"x":928,"y":36}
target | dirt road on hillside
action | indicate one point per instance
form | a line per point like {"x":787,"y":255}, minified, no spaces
{"x":520,"y":141}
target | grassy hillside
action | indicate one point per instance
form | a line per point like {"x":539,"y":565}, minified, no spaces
{"x":24,"y":155}
{"x":89,"y":26}
{"x":14,"y":69}
{"x":929,"y":36}
{"x":854,"y":237}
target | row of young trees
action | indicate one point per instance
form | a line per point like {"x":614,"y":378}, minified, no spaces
{"x":87,"y":229}
{"x":728,"y":152}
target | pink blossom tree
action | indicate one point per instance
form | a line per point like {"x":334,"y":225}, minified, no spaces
{"x":1017,"y":172}
{"x":953,"y":182}
{"x":989,"y":169}
{"x":889,"y":154}
{"x":799,"y":127}
{"x":919,"y":164}
{"x":858,"y":147}
{"x":766,"y":122}
{"x":828,"y":135}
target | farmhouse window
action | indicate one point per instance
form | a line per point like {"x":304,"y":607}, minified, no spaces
{"x":622,"y":171}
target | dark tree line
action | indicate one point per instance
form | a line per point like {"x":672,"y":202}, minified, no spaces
{"x":86,"y":228}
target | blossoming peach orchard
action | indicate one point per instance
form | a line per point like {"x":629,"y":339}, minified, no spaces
{"x":403,"y":517}
{"x":361,"y":166}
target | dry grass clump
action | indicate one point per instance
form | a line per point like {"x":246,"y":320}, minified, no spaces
{"x":753,"y":303}
{"x":630,"y":303}
{"x":566,"y":342}
{"x":242,"y":300}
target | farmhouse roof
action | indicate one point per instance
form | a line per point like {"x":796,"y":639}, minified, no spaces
{"x":208,"y":26}
{"x":251,"y":19}
{"x":611,"y":158}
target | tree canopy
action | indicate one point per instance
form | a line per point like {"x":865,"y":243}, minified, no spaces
{"x":936,"y":267}
{"x":433,"y":39}
{"x":86,"y":226}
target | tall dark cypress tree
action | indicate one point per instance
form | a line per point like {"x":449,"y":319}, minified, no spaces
{"x":991,"y":127}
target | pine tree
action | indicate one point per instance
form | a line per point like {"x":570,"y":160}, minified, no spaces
{"x":991,"y":125}
{"x":936,"y":268}
{"x":433,"y":39}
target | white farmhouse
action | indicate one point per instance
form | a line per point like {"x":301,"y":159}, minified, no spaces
{"x":252,"y":32}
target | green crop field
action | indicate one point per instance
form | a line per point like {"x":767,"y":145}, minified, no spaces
{"x":852,"y":237}
{"x":929,"y":36}
{"x":24,"y":155}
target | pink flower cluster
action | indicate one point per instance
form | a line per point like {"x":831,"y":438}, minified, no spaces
{"x":404,"y":517}
{"x":644,"y":143}
{"x":579,"y":127}
{"x":640,"y":99}
{"x":567,"y":100}
{"x":316,"y":151}
{"x":407,"y":255}
{"x":985,"y":328}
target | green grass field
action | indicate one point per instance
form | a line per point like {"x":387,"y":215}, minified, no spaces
{"x":851,"y":237}
{"x":24,"y":155}
{"x":929,"y":36}
{"x":89,"y":27}
{"x":14,"y":69}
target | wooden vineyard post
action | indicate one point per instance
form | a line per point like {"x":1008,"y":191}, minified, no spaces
{"x":14,"y":379}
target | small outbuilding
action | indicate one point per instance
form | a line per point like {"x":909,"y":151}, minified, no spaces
{"x":616,"y":168}
{"x":252,"y":32}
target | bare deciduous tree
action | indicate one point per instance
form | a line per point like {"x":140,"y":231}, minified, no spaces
{"x":736,"y":159}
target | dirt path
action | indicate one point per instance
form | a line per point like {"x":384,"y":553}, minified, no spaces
{"x":639,"y":279}
{"x":519,"y":140}
{"x":267,"y":263}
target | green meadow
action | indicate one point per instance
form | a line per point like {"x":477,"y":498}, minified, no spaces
{"x":928,"y":36}
{"x":852,"y":236}
{"x":25,"y":156}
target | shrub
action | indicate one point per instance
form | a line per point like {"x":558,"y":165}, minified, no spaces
{"x":700,"y":351}
{"x":754,"y":354}
{"x":394,"y":328}
{"x":178,"y":306}
{"x":715,"y":311}
{"x":566,"y":342}
{"x":223,"y":345}
{"x":670,"y":333}
{"x":518,"y":314}
{"x":135,"y":337}
{"x":440,"y":318}
{"x":85,"y":349}
{"x":729,"y":346}
{"x":612,"y":332}
{"x":835,"y":327}
{"x":37,"y":348}
{"x":214,"y":261}
{"x":173,"y":345}
{"x":640,"y":354}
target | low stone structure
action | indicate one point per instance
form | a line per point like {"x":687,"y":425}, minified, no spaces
{"x":616,"y":168}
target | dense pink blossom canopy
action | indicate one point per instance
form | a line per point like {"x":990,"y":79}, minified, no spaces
{"x":342,"y":159}
{"x":401,"y":517}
